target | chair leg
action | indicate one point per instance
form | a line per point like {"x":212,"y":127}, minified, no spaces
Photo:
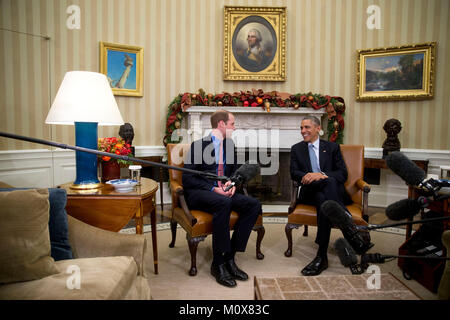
{"x":173,"y":228}
{"x":260,"y":231}
{"x":193,"y":244}
{"x":305,"y":230}
{"x":288,"y":230}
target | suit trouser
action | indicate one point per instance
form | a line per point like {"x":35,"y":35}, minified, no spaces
{"x":220,"y":206}
{"x":317,"y":193}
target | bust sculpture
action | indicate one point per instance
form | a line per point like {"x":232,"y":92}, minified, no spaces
{"x":126,"y":132}
{"x":392,"y":127}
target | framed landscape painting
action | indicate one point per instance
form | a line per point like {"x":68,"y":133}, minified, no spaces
{"x":396,"y":73}
{"x":123,"y":67}
{"x":254,"y":43}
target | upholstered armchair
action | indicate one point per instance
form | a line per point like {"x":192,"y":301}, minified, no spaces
{"x":304,"y":214}
{"x":196,"y":223}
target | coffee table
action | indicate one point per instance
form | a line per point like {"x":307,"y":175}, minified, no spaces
{"x":107,"y":209}
{"x":331,"y":287}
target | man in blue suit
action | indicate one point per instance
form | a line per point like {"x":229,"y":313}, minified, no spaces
{"x":216,"y":154}
{"x":318,"y":166}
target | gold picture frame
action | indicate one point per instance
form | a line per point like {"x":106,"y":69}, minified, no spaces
{"x":265,"y":28}
{"x":123,"y":65}
{"x":396,"y":73}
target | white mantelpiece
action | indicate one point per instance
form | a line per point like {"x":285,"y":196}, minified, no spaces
{"x":255,"y":127}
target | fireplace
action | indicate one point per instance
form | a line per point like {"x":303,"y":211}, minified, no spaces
{"x":262,"y":137}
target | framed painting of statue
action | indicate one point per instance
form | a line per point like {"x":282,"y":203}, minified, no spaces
{"x":123,"y":67}
{"x":254,"y":43}
{"x":396,"y":73}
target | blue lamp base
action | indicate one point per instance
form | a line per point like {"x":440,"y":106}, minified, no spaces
{"x":86,"y":163}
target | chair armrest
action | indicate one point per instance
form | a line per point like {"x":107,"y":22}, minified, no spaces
{"x":294,"y":193}
{"x":175,"y":186}
{"x":364,"y":186}
{"x":88,"y":241}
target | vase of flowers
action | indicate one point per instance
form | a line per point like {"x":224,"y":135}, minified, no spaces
{"x":110,"y":166}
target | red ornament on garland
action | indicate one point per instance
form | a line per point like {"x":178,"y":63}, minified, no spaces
{"x":245,"y":103}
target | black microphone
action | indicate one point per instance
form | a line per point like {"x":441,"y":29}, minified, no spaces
{"x":405,"y":168}
{"x":358,"y":238}
{"x":374,"y":258}
{"x":412,"y":174}
{"x":243,"y":174}
{"x":381,"y":258}
{"x":347,"y":256}
{"x":406,"y":208}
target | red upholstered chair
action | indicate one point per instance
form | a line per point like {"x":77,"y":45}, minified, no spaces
{"x":196,"y":223}
{"x":304,"y":214}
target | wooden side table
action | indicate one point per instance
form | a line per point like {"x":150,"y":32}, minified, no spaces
{"x":110,"y":210}
{"x":157,"y":159}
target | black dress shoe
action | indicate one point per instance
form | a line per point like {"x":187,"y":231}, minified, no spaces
{"x":233,"y":269}
{"x":316,"y":266}
{"x":222,"y":275}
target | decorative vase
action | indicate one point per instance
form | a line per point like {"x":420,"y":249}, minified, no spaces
{"x":110,"y":170}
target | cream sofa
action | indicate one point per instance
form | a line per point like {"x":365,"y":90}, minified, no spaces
{"x":106,"y":265}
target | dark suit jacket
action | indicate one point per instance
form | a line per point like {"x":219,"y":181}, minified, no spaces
{"x":201,"y":157}
{"x":330,"y":160}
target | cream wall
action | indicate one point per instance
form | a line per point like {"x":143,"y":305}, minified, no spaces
{"x":183,"y":51}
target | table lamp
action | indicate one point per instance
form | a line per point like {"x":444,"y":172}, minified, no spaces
{"x":85,"y":99}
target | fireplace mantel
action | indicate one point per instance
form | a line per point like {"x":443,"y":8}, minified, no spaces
{"x":255,"y":127}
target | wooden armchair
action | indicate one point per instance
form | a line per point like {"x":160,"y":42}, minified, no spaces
{"x":304,"y":214}
{"x":196,"y":223}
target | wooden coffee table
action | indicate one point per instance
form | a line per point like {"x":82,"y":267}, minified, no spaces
{"x":107,"y":209}
{"x":331,"y":287}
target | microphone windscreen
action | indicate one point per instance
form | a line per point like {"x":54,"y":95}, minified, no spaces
{"x":405,"y":168}
{"x":345,"y":252}
{"x":248,"y":171}
{"x":403,"y":209}
{"x":336,"y":214}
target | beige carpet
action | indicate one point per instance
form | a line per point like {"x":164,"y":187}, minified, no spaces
{"x":174,"y":283}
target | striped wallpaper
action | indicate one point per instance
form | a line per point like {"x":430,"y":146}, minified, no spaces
{"x":183,"y":51}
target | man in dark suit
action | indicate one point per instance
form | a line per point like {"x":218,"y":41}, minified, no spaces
{"x":216,"y":154}
{"x":319,"y":167}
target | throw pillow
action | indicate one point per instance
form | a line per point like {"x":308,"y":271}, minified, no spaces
{"x":58,"y":225}
{"x":24,"y":236}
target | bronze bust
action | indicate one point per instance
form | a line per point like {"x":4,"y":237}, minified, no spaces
{"x":392,"y":127}
{"x":126,"y":132}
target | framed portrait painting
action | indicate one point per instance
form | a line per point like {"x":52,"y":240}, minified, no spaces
{"x":254,"y":43}
{"x":396,"y":73}
{"x":123,"y":66}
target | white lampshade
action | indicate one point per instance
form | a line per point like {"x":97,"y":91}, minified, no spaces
{"x":84,"y":97}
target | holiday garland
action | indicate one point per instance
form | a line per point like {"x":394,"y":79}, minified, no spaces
{"x":335,"y":107}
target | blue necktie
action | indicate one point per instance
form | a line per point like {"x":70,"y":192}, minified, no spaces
{"x":313,"y":158}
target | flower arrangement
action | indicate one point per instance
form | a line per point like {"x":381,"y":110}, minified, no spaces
{"x":257,"y":98}
{"x":114,"y":145}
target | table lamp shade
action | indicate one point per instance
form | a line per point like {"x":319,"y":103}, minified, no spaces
{"x":85,"y":99}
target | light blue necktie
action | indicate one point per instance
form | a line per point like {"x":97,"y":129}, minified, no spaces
{"x":312,"y":156}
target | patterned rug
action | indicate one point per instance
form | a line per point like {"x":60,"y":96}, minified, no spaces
{"x":333,"y":287}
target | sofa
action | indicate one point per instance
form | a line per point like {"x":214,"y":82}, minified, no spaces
{"x":46,"y":254}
